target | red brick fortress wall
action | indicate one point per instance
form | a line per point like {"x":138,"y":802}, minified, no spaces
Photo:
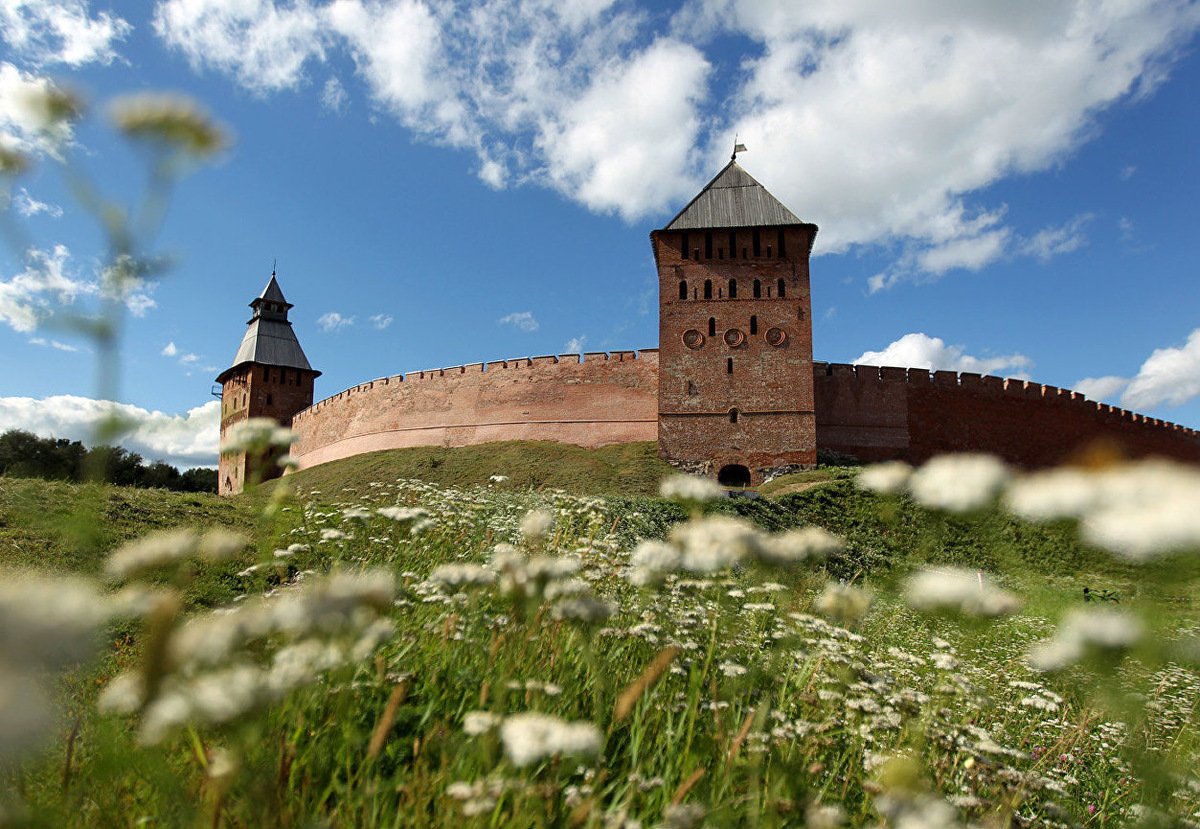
{"x":882,"y":413}
{"x":599,"y":400}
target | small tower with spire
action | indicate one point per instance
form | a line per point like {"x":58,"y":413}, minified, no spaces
{"x":269,"y":377}
{"x":735,"y":386}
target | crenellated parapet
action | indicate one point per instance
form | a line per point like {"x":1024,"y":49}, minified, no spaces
{"x":883,"y":412}
{"x":593,"y":399}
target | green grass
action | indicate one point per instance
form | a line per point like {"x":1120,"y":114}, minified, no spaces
{"x":627,"y":469}
{"x":765,"y":712}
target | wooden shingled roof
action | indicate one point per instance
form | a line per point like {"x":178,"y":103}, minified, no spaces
{"x":733,"y":199}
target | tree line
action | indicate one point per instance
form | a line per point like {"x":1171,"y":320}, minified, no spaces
{"x":25,"y":455}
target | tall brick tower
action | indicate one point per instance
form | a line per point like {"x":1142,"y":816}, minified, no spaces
{"x":270,"y":377}
{"x":735,"y":388}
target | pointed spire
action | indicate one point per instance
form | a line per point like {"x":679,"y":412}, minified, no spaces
{"x":269,"y":338}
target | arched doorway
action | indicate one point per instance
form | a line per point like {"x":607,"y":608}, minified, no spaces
{"x":734,"y":474}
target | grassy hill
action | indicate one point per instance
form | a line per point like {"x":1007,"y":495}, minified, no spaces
{"x":629,"y":469}
{"x":336,"y":672}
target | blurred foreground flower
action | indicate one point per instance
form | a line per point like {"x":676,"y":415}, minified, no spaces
{"x":1103,"y":633}
{"x":257,"y":435}
{"x":690,"y":489}
{"x":1136,"y":510}
{"x":173,"y":122}
{"x":530,"y":737}
{"x":957,"y":590}
{"x":843,"y":603}
{"x":958,"y":483}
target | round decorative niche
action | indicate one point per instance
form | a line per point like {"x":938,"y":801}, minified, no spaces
{"x":693,"y":338}
{"x":734,"y":337}
{"x":775,"y":336}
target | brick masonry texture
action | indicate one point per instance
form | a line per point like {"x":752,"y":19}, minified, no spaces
{"x":735,"y":344}
{"x":599,"y":400}
{"x":880,"y":414}
{"x":258,"y":391}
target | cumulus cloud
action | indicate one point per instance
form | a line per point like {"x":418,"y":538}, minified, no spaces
{"x":520,"y":319}
{"x":1168,"y":376}
{"x":575,"y":345}
{"x":52,"y":284}
{"x":184,"y":440}
{"x":265,"y":48}
{"x":918,"y":350}
{"x":333,"y":321}
{"x":60,"y":31}
{"x":382,"y":321}
{"x":886,"y":116}
{"x":22,"y":121}
{"x":28,"y":206}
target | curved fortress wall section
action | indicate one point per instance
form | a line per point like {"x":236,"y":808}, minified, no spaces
{"x":882,"y":413}
{"x":598,"y":400}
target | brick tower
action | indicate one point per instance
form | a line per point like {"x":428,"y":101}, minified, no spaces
{"x":735,"y":388}
{"x":270,"y":377}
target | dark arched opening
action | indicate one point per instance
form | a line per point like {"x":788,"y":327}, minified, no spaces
{"x":733,"y":474}
{"x":708,"y":289}
{"x":733,"y":289}
{"x":683,"y":289}
{"x":712,"y":326}
{"x":781,"y":292}
{"x":757,"y":289}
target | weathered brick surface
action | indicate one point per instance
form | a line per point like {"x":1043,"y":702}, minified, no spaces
{"x":599,"y":400}
{"x":881,"y":414}
{"x":756,"y":411}
{"x":258,"y":391}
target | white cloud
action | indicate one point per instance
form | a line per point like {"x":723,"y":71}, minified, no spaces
{"x":883,"y":115}
{"x":53,"y":344}
{"x":1101,"y":388}
{"x":920,"y":351}
{"x":28,"y":206}
{"x":169,"y":350}
{"x":575,"y":345}
{"x":1053,"y":241}
{"x":186,"y":440}
{"x":333,"y":321}
{"x":333,"y":96}
{"x":382,"y":321}
{"x":1127,"y":172}
{"x":264,"y":47}
{"x":1168,"y":376}
{"x":520,"y":319}
{"x":45,"y":284}
{"x":60,"y":31}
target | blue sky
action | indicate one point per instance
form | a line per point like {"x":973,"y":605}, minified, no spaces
{"x":1003,"y":188}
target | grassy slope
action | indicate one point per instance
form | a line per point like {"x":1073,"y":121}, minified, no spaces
{"x":625,"y":469}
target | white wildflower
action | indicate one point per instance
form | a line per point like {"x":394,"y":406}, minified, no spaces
{"x":536,"y":526}
{"x":1135,"y":510}
{"x":732,"y":669}
{"x":1087,"y":632}
{"x":498,"y":479}
{"x":716,"y":543}
{"x":531,"y":737}
{"x":958,"y":483}
{"x":652,"y":560}
{"x":690,"y":489}
{"x":464,"y":575}
{"x":151,"y":552}
{"x":257,"y":435}
{"x":479,"y":722}
{"x":48,"y":622}
{"x":795,"y":546}
{"x":356,"y":514}
{"x":843,"y":602}
{"x":958,"y":590}
{"x":585,"y":608}
{"x":403,"y":515}
{"x":884,"y":478}
{"x":328,"y":534}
